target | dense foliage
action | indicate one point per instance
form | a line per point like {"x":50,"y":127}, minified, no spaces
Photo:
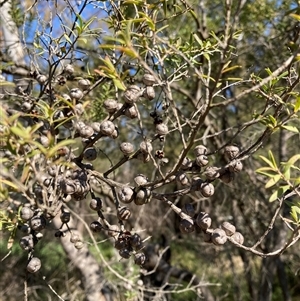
{"x":149,"y":150}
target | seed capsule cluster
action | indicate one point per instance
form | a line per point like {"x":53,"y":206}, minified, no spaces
{"x":203,"y":221}
{"x":67,"y":176}
{"x":211,"y":173}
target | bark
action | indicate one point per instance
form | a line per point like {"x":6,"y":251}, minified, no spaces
{"x":248,"y":274}
{"x":92,"y":277}
{"x":10,"y":35}
{"x":282,"y":277}
{"x":12,"y":44}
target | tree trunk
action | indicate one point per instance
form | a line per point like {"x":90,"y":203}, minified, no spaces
{"x":10,"y":35}
{"x":92,"y":277}
{"x":13,"y":45}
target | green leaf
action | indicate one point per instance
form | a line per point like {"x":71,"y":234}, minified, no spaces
{"x":270,"y":175}
{"x":282,"y":75}
{"x":269,"y":121}
{"x":20,"y":132}
{"x":268,"y":70}
{"x":297,"y":105}
{"x":6,"y":83}
{"x":114,"y":40}
{"x":295,"y":16}
{"x":63,"y":120}
{"x":84,"y":40}
{"x":265,"y":171}
{"x":231,"y":68}
{"x":136,"y":2}
{"x":59,"y":145}
{"x":88,"y":23}
{"x":39,"y":146}
{"x":79,"y":24}
{"x":278,"y":193}
{"x":271,"y":156}
{"x":295,"y":213}
{"x":290,"y":128}
{"x":198,"y":40}
{"x":130,"y":52}
{"x":148,"y":20}
{"x":268,"y":162}
{"x":273,"y":120}
{"x":206,"y":55}
{"x":68,"y":39}
{"x":25,"y":173}
{"x":287,"y":172}
{"x":8,"y":183}
{"x":119,"y":84}
{"x":108,"y":63}
{"x":80,"y":20}
{"x":294,"y":159}
{"x":273,"y":181}
{"x":274,"y":196}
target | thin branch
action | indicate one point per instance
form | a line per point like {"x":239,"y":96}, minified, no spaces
{"x":277,"y":72}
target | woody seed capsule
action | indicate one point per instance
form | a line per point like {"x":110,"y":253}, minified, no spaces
{"x":149,"y":93}
{"x":131,"y":112}
{"x":200,"y":150}
{"x":34,"y":265}
{"x":107,"y":127}
{"x":231,"y":152}
{"x":132,"y":94}
{"x":162,"y":129}
{"x":126,"y":148}
{"x":110,"y":105}
{"x":148,"y":79}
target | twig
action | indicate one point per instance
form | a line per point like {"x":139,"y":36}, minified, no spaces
{"x":52,"y":289}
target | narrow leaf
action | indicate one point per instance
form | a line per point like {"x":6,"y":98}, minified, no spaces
{"x":80,"y":20}
{"x":231,"y":68}
{"x":6,"y":83}
{"x":294,"y":159}
{"x":84,"y":40}
{"x":268,"y":174}
{"x":297,"y":105}
{"x":88,"y":23}
{"x":265,"y":169}
{"x":295,"y":213}
{"x":273,"y":181}
{"x":271,"y":156}
{"x":25,"y":173}
{"x":198,"y":40}
{"x":59,"y":145}
{"x":287,"y":173}
{"x":119,"y":84}
{"x":274,"y":196}
{"x":295,"y":16}
{"x":290,"y":128}
{"x":206,"y":55}
{"x":68,"y":39}
{"x":108,"y":63}
{"x":9,"y":183}
{"x":19,"y":132}
{"x":268,"y":162}
{"x":279,"y":193}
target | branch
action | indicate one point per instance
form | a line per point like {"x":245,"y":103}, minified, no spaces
{"x":277,"y":72}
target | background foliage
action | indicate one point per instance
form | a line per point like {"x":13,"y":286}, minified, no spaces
{"x":225,"y":74}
